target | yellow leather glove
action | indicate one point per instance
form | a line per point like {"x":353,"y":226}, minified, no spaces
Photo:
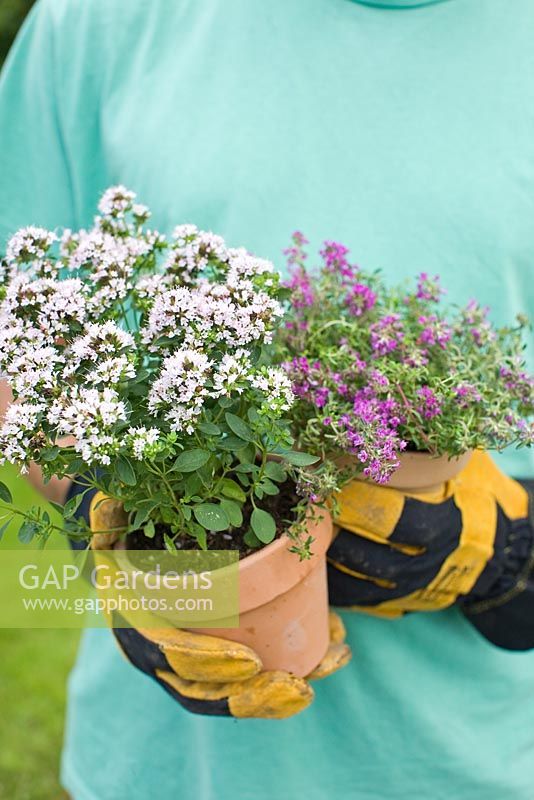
{"x":471,"y":543}
{"x":208,"y":674}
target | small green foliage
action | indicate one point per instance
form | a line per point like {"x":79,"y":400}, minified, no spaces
{"x":263,"y":525}
{"x":212,"y":517}
{"x":191,"y":460}
{"x":5,"y":494}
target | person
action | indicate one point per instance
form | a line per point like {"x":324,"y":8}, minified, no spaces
{"x":399,"y":127}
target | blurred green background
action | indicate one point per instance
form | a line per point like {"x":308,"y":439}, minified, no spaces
{"x":35,"y":663}
{"x":12,"y":12}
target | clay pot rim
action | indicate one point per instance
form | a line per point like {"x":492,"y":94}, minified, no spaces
{"x":285,"y":568}
{"x":437,"y":470}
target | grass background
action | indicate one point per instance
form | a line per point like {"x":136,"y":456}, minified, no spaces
{"x":34,"y":664}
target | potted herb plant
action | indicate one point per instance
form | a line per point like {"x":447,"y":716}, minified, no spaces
{"x":142,"y":369}
{"x":391,"y":384}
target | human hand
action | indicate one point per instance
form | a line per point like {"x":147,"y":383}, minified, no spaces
{"x":469,"y":543}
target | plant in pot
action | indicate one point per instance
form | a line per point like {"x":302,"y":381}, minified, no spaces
{"x":393,"y":386}
{"x":141,"y":368}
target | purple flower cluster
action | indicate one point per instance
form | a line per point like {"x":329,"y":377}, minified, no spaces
{"x":295,"y":253}
{"x":374,"y":366}
{"x":475,"y":318}
{"x":466,"y":394}
{"x":360,"y":298}
{"x":519,"y":384}
{"x":380,"y":418}
{"x":428,"y":288}
{"x":434,"y":331}
{"x":334,"y":257}
{"x":302,"y":295}
{"x":429,"y":406}
{"x":386,"y":335}
{"x":369,"y":429}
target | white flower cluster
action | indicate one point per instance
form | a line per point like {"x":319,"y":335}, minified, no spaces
{"x":29,"y":244}
{"x":34,"y":370}
{"x":276,"y":386}
{"x":187,"y":378}
{"x":191,"y":251}
{"x":112,"y":260}
{"x":91,"y":417}
{"x":107,"y":349}
{"x":116,"y":201}
{"x":105,"y":344}
{"x":241,"y":264}
{"x":232,"y":372}
{"x":212,"y":314}
{"x":142,"y":440}
{"x":19,"y":432}
{"x":181,"y":388}
{"x":51,"y":306}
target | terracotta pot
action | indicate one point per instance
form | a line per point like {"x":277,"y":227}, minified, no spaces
{"x":422,"y":472}
{"x":283,"y":604}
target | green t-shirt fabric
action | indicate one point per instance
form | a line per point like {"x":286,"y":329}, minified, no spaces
{"x":403,"y":129}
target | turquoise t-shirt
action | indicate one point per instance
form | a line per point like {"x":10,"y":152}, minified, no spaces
{"x":403,"y":129}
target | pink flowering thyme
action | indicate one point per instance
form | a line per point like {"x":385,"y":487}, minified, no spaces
{"x":376,"y":370}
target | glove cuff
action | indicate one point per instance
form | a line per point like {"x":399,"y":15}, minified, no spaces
{"x":500,"y":606}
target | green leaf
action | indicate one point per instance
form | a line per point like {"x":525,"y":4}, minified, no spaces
{"x":211,"y":517}
{"x":4,"y":527}
{"x":27,"y":531}
{"x":125,"y":471}
{"x":275,"y":471}
{"x":263,"y":525}
{"x":299,"y":459}
{"x":187,"y":512}
{"x":233,"y":512}
{"x":5,"y":494}
{"x":232,"y":442}
{"x":49,"y":453}
{"x":141,"y":516}
{"x":191,"y":460}
{"x":225,"y":402}
{"x":247,"y":454}
{"x":75,"y":466}
{"x":250,"y":539}
{"x":71,"y":507}
{"x":169,"y":544}
{"x":192,"y":484}
{"x":246,"y":468}
{"x":202,"y":537}
{"x":232,"y":490}
{"x":269,"y":487}
{"x":149,"y":529}
{"x":239,"y":427}
{"x":209,"y":428}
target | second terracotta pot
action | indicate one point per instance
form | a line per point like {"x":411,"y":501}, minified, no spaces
{"x":422,"y":472}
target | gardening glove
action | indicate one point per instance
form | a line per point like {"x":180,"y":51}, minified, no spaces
{"x":208,"y":674}
{"x":469,"y":543}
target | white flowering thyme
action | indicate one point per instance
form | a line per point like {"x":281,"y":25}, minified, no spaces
{"x":143,"y":367}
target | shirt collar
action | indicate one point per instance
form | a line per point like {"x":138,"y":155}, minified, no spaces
{"x":392,"y":4}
